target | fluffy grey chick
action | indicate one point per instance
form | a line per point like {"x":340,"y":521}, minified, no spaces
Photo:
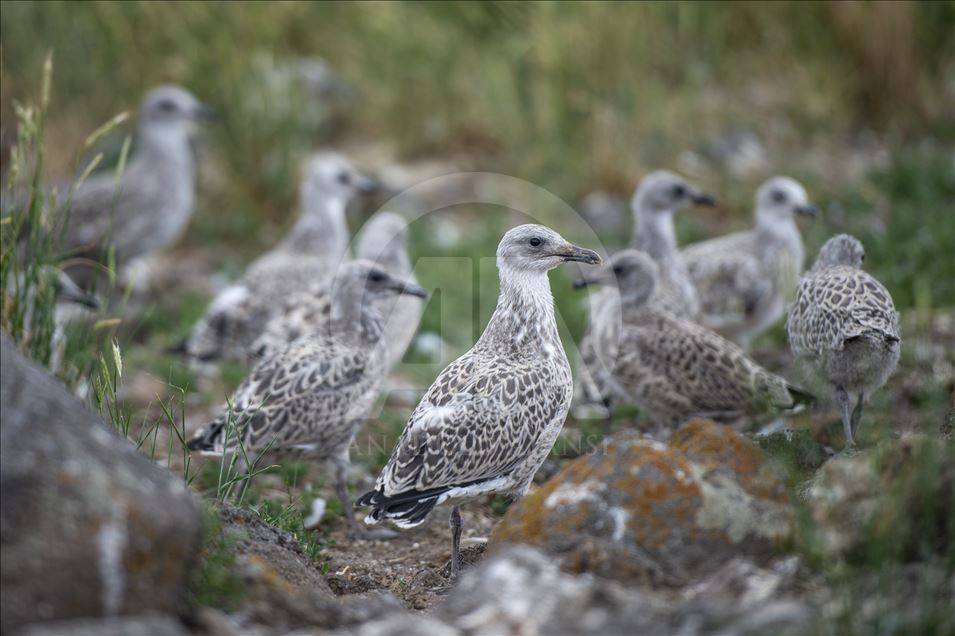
{"x":491,"y":417}
{"x":310,"y":253}
{"x":658,"y":196}
{"x":384,"y":240}
{"x":745,"y":279}
{"x":673,"y":368}
{"x":309,"y":400}
{"x":844,"y":323}
{"x":150,"y":206}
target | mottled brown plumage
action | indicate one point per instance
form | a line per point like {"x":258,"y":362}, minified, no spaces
{"x":673,"y":368}
{"x":843,"y":321}
{"x":310,"y":399}
{"x":745,"y":279}
{"x":309,"y":254}
{"x":491,"y":417}
{"x":658,"y":196}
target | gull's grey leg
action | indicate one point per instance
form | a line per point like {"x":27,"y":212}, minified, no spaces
{"x":455,"y":524}
{"x":608,"y":422}
{"x":843,"y":398}
{"x":857,"y":414}
{"x":355,"y":529}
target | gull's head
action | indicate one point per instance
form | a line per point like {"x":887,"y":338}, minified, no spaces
{"x":779,"y":199}
{"x":842,"y":249}
{"x":331,"y":175}
{"x":535,"y":248}
{"x":368,"y":281}
{"x":384,"y":239}
{"x":662,"y":191}
{"x":171,"y":108}
{"x":633,"y":272}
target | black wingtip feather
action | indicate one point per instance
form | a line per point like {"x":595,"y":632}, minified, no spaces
{"x":207,"y":439}
{"x":407,"y":508}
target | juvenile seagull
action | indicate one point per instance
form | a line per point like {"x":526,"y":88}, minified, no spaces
{"x":658,"y":196}
{"x":844,"y":322}
{"x":745,"y":279}
{"x":309,"y":400}
{"x":310,"y":253}
{"x":384,"y":240}
{"x":673,"y":368}
{"x":150,"y":206}
{"x":490,"y":418}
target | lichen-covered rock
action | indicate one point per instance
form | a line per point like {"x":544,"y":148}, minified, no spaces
{"x":89,"y":526}
{"x":897,"y":497}
{"x":520,"y":590}
{"x":644,"y":511}
{"x":796,"y":450}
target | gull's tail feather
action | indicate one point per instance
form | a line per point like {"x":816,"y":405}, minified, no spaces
{"x":208,"y":439}
{"x":405,"y":510}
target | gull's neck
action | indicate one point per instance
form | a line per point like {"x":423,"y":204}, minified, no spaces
{"x":353,"y":318}
{"x":653,"y":233}
{"x":773,"y":227}
{"x":321,"y":228}
{"x":523,"y":323}
{"x":165,"y":146}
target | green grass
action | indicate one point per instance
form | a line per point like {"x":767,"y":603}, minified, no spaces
{"x":214,"y":582}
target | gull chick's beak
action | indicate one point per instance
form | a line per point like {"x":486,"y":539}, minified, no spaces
{"x":411,"y":289}
{"x":204,"y":113}
{"x":579,"y":254}
{"x":367,"y":185}
{"x":704,"y":199}
{"x":807,"y":210}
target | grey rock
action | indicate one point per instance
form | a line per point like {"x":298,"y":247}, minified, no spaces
{"x":157,"y":625}
{"x":88,"y":526}
{"x":285,"y":589}
{"x":521,"y":590}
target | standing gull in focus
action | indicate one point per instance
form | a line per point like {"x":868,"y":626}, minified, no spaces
{"x":310,"y":253}
{"x":674,"y":369}
{"x":310,"y":400}
{"x":383,"y":240}
{"x":658,"y":196}
{"x":491,"y":417}
{"x":151,"y":204}
{"x":744,"y":279}
{"x":844,"y":322}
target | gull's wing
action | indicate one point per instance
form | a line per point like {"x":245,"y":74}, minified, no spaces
{"x":836,"y":305}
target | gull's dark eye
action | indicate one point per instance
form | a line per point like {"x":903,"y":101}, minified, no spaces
{"x":778,"y":196}
{"x":376,"y":276}
{"x":167,"y":106}
{"x":535,"y":242}
{"x":344,"y":178}
{"x":678,"y":191}
{"x":618,"y":270}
